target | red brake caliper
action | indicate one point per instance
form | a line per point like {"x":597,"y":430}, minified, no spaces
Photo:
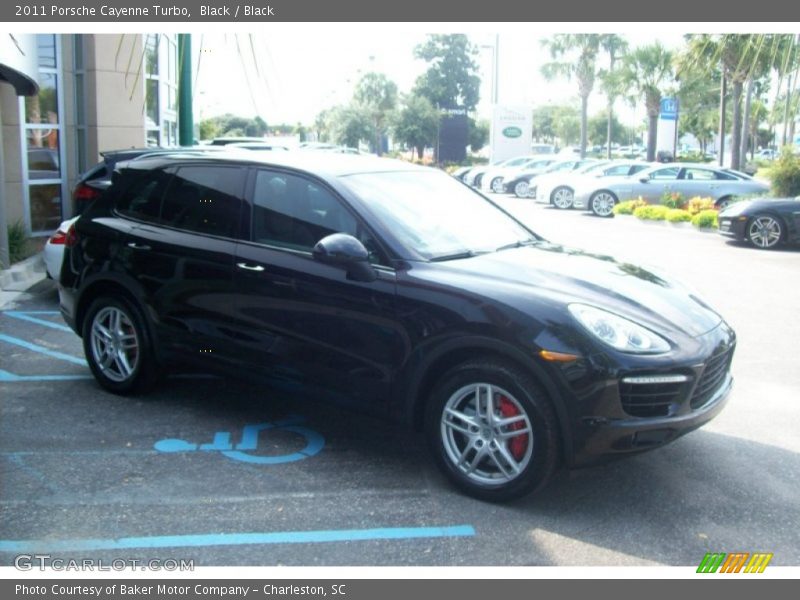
{"x":518,"y":444}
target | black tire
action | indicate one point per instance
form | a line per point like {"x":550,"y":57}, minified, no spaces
{"x":496,"y":185}
{"x":723,"y":202}
{"x":521,"y":189}
{"x":602,"y":203}
{"x":137,"y":372}
{"x":765,"y":231}
{"x":533,"y":452}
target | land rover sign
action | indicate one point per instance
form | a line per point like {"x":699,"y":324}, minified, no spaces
{"x":511,"y":131}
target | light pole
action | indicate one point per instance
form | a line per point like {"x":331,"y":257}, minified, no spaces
{"x":495,"y":48}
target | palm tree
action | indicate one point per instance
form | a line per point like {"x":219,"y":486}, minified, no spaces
{"x":646,"y":70}
{"x":614,"y":45}
{"x":578,"y":52}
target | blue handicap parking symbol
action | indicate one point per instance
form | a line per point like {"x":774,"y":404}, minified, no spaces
{"x":249,"y":442}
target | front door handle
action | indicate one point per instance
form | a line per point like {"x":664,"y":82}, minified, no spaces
{"x":248,"y":267}
{"x":135,"y":246}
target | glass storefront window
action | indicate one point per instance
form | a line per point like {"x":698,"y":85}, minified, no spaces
{"x":43,"y":108}
{"x":45,"y":206}
{"x":47,"y":50}
{"x":151,"y":54}
{"x":43,"y":156}
{"x":151,"y":101}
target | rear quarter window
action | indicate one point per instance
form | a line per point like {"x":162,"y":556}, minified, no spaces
{"x":141,"y":195}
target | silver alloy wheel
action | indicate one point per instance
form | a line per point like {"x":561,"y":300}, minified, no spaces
{"x":764,"y":232}
{"x":563,"y":197}
{"x":521,"y":189}
{"x":497,"y":185}
{"x":603,"y":204}
{"x":114,"y":343}
{"x":486,"y":434}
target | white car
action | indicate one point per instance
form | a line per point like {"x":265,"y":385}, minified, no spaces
{"x":558,"y":188}
{"x":54,"y":249}
{"x":493,"y":178}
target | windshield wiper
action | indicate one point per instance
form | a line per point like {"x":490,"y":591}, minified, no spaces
{"x":518,"y":244}
{"x":455,"y":255}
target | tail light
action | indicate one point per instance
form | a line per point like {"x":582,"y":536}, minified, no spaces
{"x":59,"y":237}
{"x":71,"y":237}
{"x":83,"y":195}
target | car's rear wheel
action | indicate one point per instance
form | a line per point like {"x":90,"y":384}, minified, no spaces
{"x":724,"y":202}
{"x":602,"y":203}
{"x":492,"y":431}
{"x":764,"y":231}
{"x":477,"y":181}
{"x":117,"y":346}
{"x":497,"y":185}
{"x":563,"y":197}
{"x":521,"y":189}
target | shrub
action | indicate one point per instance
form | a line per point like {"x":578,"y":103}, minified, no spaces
{"x":677,"y":215}
{"x":705,"y":219}
{"x":17,"y":242}
{"x":673,"y":199}
{"x":698,"y":204}
{"x":785,"y":175}
{"x":627,"y":207}
{"x":655,"y":212}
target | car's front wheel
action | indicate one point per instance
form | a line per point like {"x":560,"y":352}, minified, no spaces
{"x":602,"y":203}
{"x":117,"y":346}
{"x":764,"y":231}
{"x":497,"y":185}
{"x":492,"y":431}
{"x":562,"y":197}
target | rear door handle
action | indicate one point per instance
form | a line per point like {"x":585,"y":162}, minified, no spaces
{"x":135,"y":246}
{"x":248,"y":267}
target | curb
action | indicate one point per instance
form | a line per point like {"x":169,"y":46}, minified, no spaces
{"x":21,"y":277}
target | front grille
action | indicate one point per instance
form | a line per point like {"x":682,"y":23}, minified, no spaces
{"x":649,"y":399}
{"x":713,"y":376}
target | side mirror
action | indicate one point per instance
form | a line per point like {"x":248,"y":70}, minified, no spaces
{"x":345,"y":251}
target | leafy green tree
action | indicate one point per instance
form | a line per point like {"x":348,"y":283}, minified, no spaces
{"x":349,"y":124}
{"x":646,"y":70}
{"x":610,"y":81}
{"x":417,"y":123}
{"x":452,"y":76}
{"x":377,"y":96}
{"x":605,"y":131}
{"x":478,"y":134}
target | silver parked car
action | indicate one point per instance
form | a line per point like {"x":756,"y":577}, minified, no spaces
{"x":688,"y":179}
{"x":558,"y":188}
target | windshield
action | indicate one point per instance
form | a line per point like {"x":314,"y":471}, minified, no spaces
{"x":436,"y":216}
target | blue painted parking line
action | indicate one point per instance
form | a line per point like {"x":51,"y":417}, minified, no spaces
{"x":41,"y":350}
{"x":7,"y":377}
{"x":237,"y":539}
{"x":27,"y":316}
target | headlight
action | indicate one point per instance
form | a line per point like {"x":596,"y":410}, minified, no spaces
{"x":619,"y":333}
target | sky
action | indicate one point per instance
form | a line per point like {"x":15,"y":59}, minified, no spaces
{"x":280,"y":75}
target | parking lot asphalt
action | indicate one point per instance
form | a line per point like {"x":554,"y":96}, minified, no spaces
{"x":226,"y":473}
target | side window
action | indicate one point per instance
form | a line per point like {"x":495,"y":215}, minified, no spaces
{"x":637,"y":168}
{"x":142,"y":198}
{"x":699,"y":174}
{"x":669,"y":173}
{"x":205,"y":199}
{"x":296,"y":213}
{"x":617,"y":170}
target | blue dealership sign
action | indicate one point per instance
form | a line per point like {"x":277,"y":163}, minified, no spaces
{"x":669,"y":109}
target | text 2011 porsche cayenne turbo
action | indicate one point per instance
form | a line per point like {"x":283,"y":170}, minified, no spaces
{"x":396,"y":290}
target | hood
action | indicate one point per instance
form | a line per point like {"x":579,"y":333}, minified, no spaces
{"x":751,"y":206}
{"x":571,"y":275}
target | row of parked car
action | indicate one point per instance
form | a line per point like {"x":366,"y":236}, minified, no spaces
{"x":598,"y":185}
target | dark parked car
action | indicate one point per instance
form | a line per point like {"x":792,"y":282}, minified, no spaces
{"x":765,"y":223}
{"x":95,"y":181}
{"x":395,"y":290}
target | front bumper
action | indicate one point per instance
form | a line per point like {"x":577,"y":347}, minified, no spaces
{"x":733,"y":227}
{"x":622,"y":419}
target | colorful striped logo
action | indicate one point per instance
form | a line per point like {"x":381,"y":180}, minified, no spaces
{"x":737,"y":562}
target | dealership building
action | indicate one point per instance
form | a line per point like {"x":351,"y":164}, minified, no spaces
{"x":64,"y":99}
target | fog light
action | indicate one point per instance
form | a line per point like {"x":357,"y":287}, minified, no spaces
{"x":648,"y":379}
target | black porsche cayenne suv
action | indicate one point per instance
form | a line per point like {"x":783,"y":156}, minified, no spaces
{"x":397,"y":290}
